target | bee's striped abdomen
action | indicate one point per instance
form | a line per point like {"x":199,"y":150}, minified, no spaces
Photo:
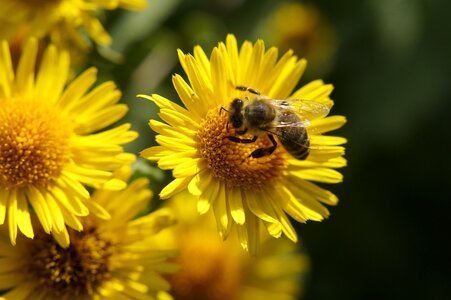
{"x":294,"y":138}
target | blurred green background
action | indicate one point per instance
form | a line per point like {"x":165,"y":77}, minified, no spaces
{"x":390,"y":63}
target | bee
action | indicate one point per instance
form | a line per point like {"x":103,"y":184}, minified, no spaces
{"x":285,"y":119}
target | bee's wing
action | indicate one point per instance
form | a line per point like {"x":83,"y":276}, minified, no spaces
{"x":307,"y":110}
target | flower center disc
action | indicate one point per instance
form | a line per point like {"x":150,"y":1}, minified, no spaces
{"x":231,"y":161}
{"x":72,"y":273}
{"x":34,"y":144}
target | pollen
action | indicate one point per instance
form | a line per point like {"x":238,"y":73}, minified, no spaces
{"x":75,"y":272}
{"x":230,"y":161}
{"x":34,"y":144}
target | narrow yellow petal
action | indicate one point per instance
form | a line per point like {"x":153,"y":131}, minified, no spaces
{"x":288,"y":78}
{"x":286,"y":198}
{"x":76,"y":89}
{"x":202,"y":58}
{"x":186,"y":95}
{"x":266,"y":76}
{"x":41,"y":208}
{"x":52,"y":76}
{"x":253,"y":235}
{"x":221,"y":213}
{"x":25,"y":70}
{"x":175,"y":144}
{"x":210,"y":192}
{"x":23,"y":216}
{"x":72,"y":186}
{"x":335,"y":162}
{"x":71,"y":220}
{"x":328,"y":124}
{"x":163,"y":128}
{"x":260,"y":206}
{"x":62,"y":237}
{"x":242,"y":236}
{"x":157,"y":152}
{"x":287,"y":228}
{"x":4,"y":195}
{"x":235,"y":199}
{"x":189,"y":167}
{"x":174,"y":187}
{"x":87,"y":123}
{"x":6,"y":71}
{"x":319,"y":174}
{"x":199,"y":182}
{"x":72,"y":203}
{"x":232,"y":53}
{"x":326,"y":140}
{"x":12,"y":216}
{"x":171,"y":161}
{"x":57,"y":216}
{"x":219,"y":74}
{"x":305,"y":201}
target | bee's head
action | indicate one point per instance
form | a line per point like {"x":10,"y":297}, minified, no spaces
{"x":236,"y":113}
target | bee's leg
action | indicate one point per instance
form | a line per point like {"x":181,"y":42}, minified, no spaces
{"x":265,"y":151}
{"x":247,"y":89}
{"x":242,"y":141}
{"x":221,"y":109}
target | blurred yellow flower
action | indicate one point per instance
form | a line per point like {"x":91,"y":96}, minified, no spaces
{"x":64,"y":22}
{"x":220,"y":270}
{"x":243,"y":191}
{"x":113,"y":259}
{"x":52,"y":143}
{"x":302,"y":27}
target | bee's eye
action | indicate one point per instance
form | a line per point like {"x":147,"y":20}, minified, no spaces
{"x":237,"y":104}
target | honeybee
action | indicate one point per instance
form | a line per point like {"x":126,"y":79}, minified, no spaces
{"x":286,"y":119}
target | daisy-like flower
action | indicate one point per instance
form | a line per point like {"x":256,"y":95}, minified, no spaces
{"x":52,"y":143}
{"x":219,"y":270}
{"x":63,"y":21}
{"x":241,"y":190}
{"x":110,"y":259}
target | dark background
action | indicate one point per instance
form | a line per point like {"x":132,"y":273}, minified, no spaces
{"x":390,"y":65}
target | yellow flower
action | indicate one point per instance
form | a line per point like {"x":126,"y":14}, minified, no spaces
{"x":304,"y":29}
{"x":242,"y":191}
{"x":113,"y":259}
{"x":220,"y":270}
{"x":52,"y":143}
{"x":63,"y":21}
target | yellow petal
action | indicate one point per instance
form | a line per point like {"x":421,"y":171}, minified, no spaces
{"x":235,"y":199}
{"x":328,"y":124}
{"x":62,"y":237}
{"x":221,"y":212}
{"x":319,"y":174}
{"x":174,"y":187}
{"x":41,"y":208}
{"x":23,"y":216}
{"x":260,"y":206}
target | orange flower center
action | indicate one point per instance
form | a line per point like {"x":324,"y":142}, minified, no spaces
{"x":230,"y":161}
{"x":34,"y":144}
{"x":75,"y":272}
